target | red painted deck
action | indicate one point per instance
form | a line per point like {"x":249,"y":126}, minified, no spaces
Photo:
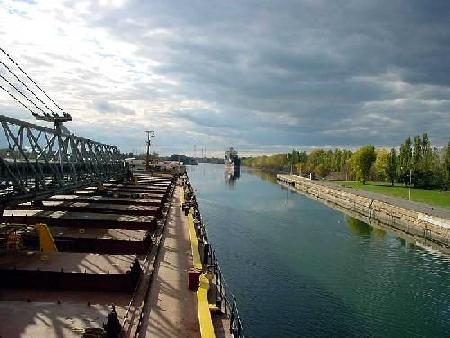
{"x":80,"y":219}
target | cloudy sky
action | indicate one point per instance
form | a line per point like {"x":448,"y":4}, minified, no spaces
{"x":264,"y":76}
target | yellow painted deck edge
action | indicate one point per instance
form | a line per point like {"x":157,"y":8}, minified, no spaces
{"x":204,"y":315}
{"x":194,"y":243}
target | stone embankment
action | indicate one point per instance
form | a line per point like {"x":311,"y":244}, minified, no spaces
{"x":427,"y":225}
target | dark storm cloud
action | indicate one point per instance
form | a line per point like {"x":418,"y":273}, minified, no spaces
{"x":299,"y":72}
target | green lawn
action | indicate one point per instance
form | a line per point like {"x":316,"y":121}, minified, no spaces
{"x":433,"y":197}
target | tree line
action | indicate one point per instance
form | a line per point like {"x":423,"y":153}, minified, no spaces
{"x":415,"y":162}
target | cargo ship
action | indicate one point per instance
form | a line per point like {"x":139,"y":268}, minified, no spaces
{"x":128,"y":257}
{"x":95,"y":245}
{"x":232,"y":160}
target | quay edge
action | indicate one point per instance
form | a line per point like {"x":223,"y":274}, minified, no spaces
{"x":426,"y":226}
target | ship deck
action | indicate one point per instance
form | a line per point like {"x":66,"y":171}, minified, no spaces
{"x":108,"y":200}
{"x":111,"y":234}
{"x":80,"y":219}
{"x":59,"y":294}
{"x":88,"y":206}
{"x":51,"y":319}
{"x":172,"y":305}
{"x":67,"y":262}
{"x":138,"y":263}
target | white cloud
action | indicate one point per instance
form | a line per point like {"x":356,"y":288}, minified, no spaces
{"x":249,"y":74}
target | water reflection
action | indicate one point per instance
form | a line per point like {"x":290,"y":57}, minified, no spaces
{"x":313,"y":273}
{"x":265,"y":175}
{"x":232,"y":175}
{"x":361,"y":228}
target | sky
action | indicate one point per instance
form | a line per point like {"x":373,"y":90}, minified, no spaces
{"x":262,"y":76}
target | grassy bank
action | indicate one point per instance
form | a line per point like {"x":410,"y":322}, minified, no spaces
{"x":432,"y":197}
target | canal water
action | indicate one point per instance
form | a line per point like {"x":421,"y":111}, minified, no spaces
{"x":301,"y":269}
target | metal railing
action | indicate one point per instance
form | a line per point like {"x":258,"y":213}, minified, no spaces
{"x":225,"y":300}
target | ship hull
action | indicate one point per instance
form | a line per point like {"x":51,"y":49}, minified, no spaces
{"x":232,"y":165}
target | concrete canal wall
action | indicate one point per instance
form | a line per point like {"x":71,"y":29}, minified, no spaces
{"x":426,"y":225}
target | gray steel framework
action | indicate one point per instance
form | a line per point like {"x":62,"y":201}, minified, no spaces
{"x":36,"y":161}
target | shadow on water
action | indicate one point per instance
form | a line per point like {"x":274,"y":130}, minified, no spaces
{"x":361,"y":228}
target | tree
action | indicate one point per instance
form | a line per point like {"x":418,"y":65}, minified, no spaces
{"x":321,"y":171}
{"x":447,"y":165}
{"x":435,"y":173}
{"x":404,"y":161}
{"x":430,"y":173}
{"x":391,"y":168}
{"x":362,"y":160}
{"x":427,"y":152}
{"x":430,"y":166}
{"x":347,"y":169}
{"x":417,"y":161}
{"x":380,"y":165}
{"x":298,"y":168}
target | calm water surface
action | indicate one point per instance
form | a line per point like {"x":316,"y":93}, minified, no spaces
{"x":301,"y":269}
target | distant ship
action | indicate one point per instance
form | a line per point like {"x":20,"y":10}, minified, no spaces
{"x":232,"y":160}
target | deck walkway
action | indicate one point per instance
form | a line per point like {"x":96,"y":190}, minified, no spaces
{"x":173,"y":307}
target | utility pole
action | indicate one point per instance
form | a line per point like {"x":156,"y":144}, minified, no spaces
{"x":410,"y":182}
{"x":150,"y":133}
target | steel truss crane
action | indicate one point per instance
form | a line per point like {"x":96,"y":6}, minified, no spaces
{"x":37,"y":161}
{"x":40,"y":161}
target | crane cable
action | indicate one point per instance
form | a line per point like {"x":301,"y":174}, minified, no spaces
{"x":20,"y":68}
{"x":24,"y":84}
{"x":20,"y":92}
{"x":20,"y":102}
